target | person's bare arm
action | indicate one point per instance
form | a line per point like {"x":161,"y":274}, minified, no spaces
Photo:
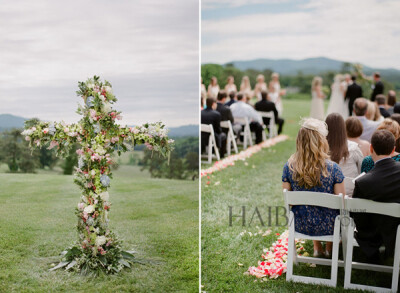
{"x":339,"y":188}
{"x":286,"y":185}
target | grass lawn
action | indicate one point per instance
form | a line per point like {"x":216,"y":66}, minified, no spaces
{"x":256,"y":182}
{"x":158,"y":218}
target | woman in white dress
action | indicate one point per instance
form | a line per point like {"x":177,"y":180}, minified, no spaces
{"x":337,"y":103}
{"x":342,"y":151}
{"x":260,"y":86}
{"x":213,"y":88}
{"x":245,"y":87}
{"x":275,"y":92}
{"x":317,"y":100}
{"x":230,"y":86}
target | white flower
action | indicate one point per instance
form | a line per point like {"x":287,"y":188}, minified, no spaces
{"x":27,"y":132}
{"x":102,"y":98}
{"x":89,"y":209}
{"x":93,"y":172}
{"x":101,"y":240}
{"x":90,"y":85}
{"x":104,"y":196}
{"x":107,"y":107}
{"x":108,"y":89}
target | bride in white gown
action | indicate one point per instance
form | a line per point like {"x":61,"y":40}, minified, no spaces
{"x":337,"y":102}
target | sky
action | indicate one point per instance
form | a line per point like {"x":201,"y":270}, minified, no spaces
{"x":147,"y":49}
{"x":364,"y":31}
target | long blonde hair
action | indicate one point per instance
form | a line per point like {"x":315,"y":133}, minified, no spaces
{"x":308,"y":163}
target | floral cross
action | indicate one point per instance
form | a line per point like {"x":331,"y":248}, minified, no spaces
{"x":97,"y":249}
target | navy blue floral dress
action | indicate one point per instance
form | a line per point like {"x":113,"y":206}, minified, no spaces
{"x":314,"y":220}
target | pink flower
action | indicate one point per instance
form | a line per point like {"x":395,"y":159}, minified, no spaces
{"x":46,"y":130}
{"x":114,"y":139}
{"x":81,"y":206}
{"x":118,"y":117}
{"x":93,"y":113}
{"x":66,"y":129}
{"x":53,"y":143}
{"x":27,"y":138}
{"x":80,"y":152}
{"x":149,"y":146}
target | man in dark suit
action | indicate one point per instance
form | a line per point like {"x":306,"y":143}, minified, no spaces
{"x":381,"y":101}
{"x":210,"y":116}
{"x":378,"y":87}
{"x":225,"y":112}
{"x":381,"y":184}
{"x":267,"y":106}
{"x":233,"y":99}
{"x":353,"y":92}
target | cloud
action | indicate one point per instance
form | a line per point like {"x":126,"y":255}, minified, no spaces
{"x":48,"y":46}
{"x":213,"y":4}
{"x":358,"y":31}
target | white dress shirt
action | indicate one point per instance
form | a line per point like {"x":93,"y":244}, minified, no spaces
{"x":241,"y":109}
{"x":368,"y":127}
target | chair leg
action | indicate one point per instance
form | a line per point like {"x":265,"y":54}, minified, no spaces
{"x":396,"y":262}
{"x":349,"y":255}
{"x":210,"y":147}
{"x":291,"y":249}
{"x":335,"y":251}
{"x":228,"y":144}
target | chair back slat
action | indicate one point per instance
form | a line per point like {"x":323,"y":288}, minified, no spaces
{"x":206,"y":128}
{"x":373,"y":207}
{"x":327,"y":200}
{"x":225,"y":124}
{"x":266,"y":114}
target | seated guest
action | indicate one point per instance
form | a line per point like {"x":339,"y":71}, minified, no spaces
{"x":241,"y":110}
{"x":232,"y":96}
{"x":267,"y":106}
{"x":381,"y":101}
{"x":373,"y":112}
{"x":344,"y":152}
{"x":309,"y":169}
{"x":360,"y":110}
{"x":396,"y":117}
{"x":391,"y":101}
{"x":381,"y":184}
{"x":225,"y":112}
{"x":391,"y":126}
{"x":354,"y":129}
{"x":210,"y":116}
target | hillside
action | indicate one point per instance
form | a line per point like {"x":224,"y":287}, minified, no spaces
{"x":8,"y":121}
{"x":309,"y":66}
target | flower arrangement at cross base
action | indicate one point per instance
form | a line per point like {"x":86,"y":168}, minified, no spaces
{"x":97,"y":249}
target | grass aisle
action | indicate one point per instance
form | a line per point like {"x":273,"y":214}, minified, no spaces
{"x":254,"y":183}
{"x":156,"y":217}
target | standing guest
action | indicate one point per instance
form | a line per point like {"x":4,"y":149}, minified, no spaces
{"x":232,"y":99}
{"x":213,"y":88}
{"x":309,"y":169}
{"x":260,"y":86}
{"x":267,"y":106}
{"x":317,"y":101}
{"x":381,"y":184}
{"x":245,"y":87}
{"x":381,"y":101}
{"x":342,"y":151}
{"x":389,"y":125}
{"x":203,"y":93}
{"x":360,"y":110}
{"x":275,"y":92}
{"x":241,"y":110}
{"x":396,"y":117}
{"x":391,"y":101}
{"x":354,"y":129}
{"x":353,"y":92}
{"x":230,"y":86}
{"x":210,"y":116}
{"x":378,"y":87}
{"x":225,"y":112}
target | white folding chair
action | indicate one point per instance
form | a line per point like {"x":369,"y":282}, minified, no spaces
{"x":272,"y":126}
{"x":369,"y":206}
{"x":212,"y":144}
{"x":315,"y":199}
{"x":231,"y":138}
{"x":246,"y":133}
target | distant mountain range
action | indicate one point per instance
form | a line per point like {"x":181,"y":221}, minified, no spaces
{"x":8,"y":121}
{"x":309,"y":66}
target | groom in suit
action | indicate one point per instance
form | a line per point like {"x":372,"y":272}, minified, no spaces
{"x":353,"y":92}
{"x":378,"y":87}
{"x":381,"y":184}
